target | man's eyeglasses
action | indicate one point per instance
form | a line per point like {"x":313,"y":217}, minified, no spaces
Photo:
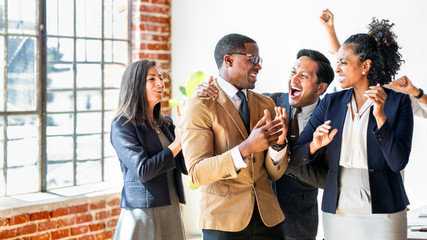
{"x":254,"y":59}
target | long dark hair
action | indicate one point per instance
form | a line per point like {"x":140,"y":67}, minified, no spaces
{"x":133,"y":103}
{"x":380,"y":46}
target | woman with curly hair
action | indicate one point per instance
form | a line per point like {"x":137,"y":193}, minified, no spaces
{"x":367,"y":132}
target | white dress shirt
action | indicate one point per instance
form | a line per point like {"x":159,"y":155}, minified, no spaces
{"x":238,"y":161}
{"x":354,"y":143}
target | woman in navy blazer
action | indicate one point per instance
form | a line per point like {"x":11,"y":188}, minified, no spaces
{"x":149,"y":150}
{"x":367,"y":131}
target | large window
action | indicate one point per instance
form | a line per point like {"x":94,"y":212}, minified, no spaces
{"x":61,"y":70}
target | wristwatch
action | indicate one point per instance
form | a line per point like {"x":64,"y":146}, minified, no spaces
{"x":419,"y":95}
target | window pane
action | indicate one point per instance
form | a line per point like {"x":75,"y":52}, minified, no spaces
{"x":59,"y":175}
{"x":89,"y":100}
{"x":60,"y":124}
{"x":2,"y":179}
{"x":2,"y":53}
{"x":88,"y":172}
{"x":88,"y":76}
{"x":2,"y":182}
{"x":59,"y":17}
{"x":17,"y":184}
{"x":60,"y":148}
{"x":22,"y":133}
{"x":108,"y":119}
{"x":88,"y":18}
{"x":88,"y":123}
{"x":88,"y":50}
{"x":21,"y":16}
{"x":60,"y":76}
{"x":60,"y":101}
{"x":112,"y":170}
{"x":60,"y":49}
{"x":116,"y":51}
{"x":1,"y":145}
{"x":113,"y":75}
{"x":21,"y":74}
{"x":89,"y":147}
{"x":108,"y":148}
{"x":1,"y":18}
{"x":116,"y":19}
{"x":111,"y":99}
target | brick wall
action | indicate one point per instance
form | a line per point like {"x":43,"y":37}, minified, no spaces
{"x":83,"y":219}
{"x":151,"y":31}
{"x":92,"y":218}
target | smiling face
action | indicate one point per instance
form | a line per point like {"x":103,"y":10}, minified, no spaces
{"x":240,"y":71}
{"x":154,"y":87}
{"x":349,"y":68}
{"x":303,"y":87}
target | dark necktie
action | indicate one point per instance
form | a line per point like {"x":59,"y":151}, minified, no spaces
{"x":294,"y":129}
{"x":244,"y":109}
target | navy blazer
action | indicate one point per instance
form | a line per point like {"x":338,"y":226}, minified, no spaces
{"x":144,"y":163}
{"x":388,"y":149}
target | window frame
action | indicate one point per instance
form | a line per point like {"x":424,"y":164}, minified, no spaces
{"x":41,"y":75}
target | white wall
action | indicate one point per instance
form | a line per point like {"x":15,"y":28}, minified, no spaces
{"x":282,"y":27}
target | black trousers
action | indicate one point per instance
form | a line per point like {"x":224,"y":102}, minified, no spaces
{"x":256,"y":230}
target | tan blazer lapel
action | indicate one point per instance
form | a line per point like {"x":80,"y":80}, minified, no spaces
{"x":253,"y":110}
{"x":231,"y":110}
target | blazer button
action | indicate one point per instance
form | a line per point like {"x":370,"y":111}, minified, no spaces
{"x":371,"y":170}
{"x":254,"y":184}
{"x":278,"y":168}
{"x":253,"y":159}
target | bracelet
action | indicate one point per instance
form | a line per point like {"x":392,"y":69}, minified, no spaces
{"x":279,"y":147}
{"x":419,"y":95}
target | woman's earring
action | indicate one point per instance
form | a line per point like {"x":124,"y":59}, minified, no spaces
{"x":363,"y":73}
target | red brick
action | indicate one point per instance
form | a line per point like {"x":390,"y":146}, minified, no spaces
{"x":154,"y":19}
{"x":60,"y":212}
{"x":65,"y":222}
{"x":47,"y":225}
{"x":101,"y":215}
{"x":105,"y":235}
{"x":79,"y":230}
{"x":115,"y":211}
{"x":79,"y":208}
{"x":156,"y":46}
{"x":87,"y":237}
{"x":84,"y":218}
{"x":114,"y":202}
{"x":112,"y":223}
{"x":44,"y":236}
{"x":32,"y":228}
{"x":98,"y":205}
{"x":8,"y":233}
{"x":165,"y":29}
{"x":150,"y":8}
{"x":39,"y":216}
{"x":165,"y":2}
{"x":4,"y":222}
{"x":96,"y":227}
{"x":19,"y":219}
{"x":63,"y":233}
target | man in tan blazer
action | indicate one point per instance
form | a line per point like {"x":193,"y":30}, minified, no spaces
{"x":232,"y":163}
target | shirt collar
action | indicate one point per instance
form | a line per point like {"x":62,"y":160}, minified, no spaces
{"x":308,"y":110}
{"x":228,"y":88}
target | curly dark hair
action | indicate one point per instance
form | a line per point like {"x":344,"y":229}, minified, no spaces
{"x":380,"y":46}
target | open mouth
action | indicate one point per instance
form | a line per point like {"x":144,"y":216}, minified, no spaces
{"x":254,"y":74}
{"x":295,"y":92}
